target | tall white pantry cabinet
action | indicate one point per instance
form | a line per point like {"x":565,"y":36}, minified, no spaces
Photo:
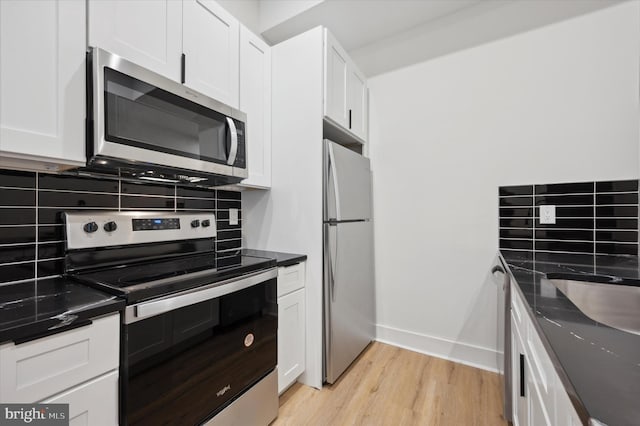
{"x":305,"y":98}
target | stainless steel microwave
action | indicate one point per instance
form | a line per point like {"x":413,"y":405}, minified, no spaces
{"x":146,"y":126}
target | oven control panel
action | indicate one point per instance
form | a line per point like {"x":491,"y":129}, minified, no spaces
{"x":153,"y":224}
{"x":96,"y":229}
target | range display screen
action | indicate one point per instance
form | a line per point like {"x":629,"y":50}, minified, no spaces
{"x":155,"y":224}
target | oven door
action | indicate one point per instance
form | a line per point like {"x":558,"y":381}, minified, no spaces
{"x":184,"y":365}
{"x":144,"y":117}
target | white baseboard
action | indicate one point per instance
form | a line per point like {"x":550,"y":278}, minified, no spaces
{"x":463,"y":353}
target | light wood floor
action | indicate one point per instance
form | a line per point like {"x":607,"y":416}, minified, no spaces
{"x":392,"y":386}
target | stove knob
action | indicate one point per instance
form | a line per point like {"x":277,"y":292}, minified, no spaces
{"x":110,"y":226}
{"x":195,"y":223}
{"x":206,"y":223}
{"x":90,"y":227}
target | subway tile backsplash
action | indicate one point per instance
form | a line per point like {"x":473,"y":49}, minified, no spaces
{"x":591,"y":218}
{"x":31,"y":230}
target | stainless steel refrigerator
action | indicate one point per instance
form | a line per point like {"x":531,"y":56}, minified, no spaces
{"x":349,"y":298}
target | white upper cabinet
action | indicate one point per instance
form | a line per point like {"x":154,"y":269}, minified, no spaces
{"x":42,"y":82}
{"x":358,"y":103}
{"x":148,"y":33}
{"x":255,"y":101}
{"x":211,"y":46}
{"x":345,"y":90}
{"x":335,"y":84}
{"x":155,"y":35}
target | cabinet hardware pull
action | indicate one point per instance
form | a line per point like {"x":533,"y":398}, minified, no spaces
{"x":183,"y":66}
{"x":349,"y":119}
{"x":522,"y":375}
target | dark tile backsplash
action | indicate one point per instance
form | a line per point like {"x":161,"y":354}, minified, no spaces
{"x":31,"y":229}
{"x":591,"y":218}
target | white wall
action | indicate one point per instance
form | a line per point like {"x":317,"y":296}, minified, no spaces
{"x":275,"y":12}
{"x":245,"y":11}
{"x":482,"y":22}
{"x":556,"y":104}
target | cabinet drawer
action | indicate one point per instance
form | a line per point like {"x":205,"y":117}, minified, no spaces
{"x":291,"y":278}
{"x":92,"y":403}
{"x":40,"y":368}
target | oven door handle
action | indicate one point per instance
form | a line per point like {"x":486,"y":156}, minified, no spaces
{"x":152,"y":308}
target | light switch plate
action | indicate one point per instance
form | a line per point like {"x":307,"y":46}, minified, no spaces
{"x":233,"y":216}
{"x":548,"y":214}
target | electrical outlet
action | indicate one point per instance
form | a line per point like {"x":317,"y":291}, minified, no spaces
{"x":233,"y":216}
{"x":548,"y":214}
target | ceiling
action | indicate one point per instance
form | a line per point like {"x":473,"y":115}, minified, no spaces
{"x":357,"y":23}
{"x":383,"y":35}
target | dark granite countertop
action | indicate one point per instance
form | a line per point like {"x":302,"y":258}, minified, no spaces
{"x":599,"y":365}
{"x":283,"y":259}
{"x":41,"y":307}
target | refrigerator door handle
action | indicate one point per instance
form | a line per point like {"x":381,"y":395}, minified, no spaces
{"x":333,"y":176}
{"x":333,"y":264}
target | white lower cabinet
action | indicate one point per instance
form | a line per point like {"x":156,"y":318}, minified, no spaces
{"x":538,"y":395}
{"x":78,"y":367}
{"x":92,"y":403}
{"x":291,"y":325}
{"x":290,"y":338}
{"x":519,"y":374}
{"x":538,"y":411}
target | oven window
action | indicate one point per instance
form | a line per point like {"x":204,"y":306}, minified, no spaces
{"x":141,"y":115}
{"x":186,"y":365}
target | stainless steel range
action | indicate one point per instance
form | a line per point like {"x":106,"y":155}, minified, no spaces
{"x":199,"y":333}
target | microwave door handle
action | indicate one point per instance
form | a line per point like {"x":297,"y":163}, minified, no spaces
{"x":234,"y":141}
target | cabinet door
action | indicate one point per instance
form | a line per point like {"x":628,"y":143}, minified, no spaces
{"x":211,"y":46}
{"x":291,"y":338}
{"x":358,"y":100}
{"x":255,"y":101}
{"x":537,"y":410}
{"x":42,"y":80}
{"x":335,"y":83}
{"x":148,"y":33}
{"x":565,"y":413}
{"x":92,"y":403}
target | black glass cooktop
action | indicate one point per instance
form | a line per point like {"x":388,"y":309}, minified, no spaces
{"x":142,"y":281}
